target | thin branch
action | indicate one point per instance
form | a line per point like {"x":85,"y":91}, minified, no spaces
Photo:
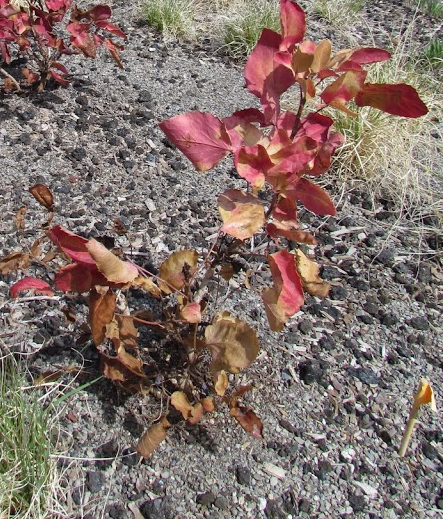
{"x":17,"y":86}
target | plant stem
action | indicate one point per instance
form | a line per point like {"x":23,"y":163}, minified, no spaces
{"x":300,"y":109}
{"x":413,"y":417}
{"x":17,"y":86}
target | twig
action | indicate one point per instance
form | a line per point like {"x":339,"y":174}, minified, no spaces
{"x":17,"y":86}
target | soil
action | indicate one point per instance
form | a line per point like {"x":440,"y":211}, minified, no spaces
{"x":333,"y":390}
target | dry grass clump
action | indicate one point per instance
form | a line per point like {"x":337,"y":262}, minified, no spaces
{"x":29,"y":481}
{"x":240,"y":25}
{"x":395,"y":156}
{"x":173,"y":18}
{"x":340,"y":14}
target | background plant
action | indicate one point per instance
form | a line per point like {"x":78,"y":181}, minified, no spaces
{"x":45,"y":30}
{"x":241,"y":25}
{"x":29,"y":480}
{"x":173,"y":18}
{"x":397,"y":158}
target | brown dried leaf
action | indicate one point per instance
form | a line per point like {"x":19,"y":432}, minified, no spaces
{"x":191,"y":313}
{"x":119,"y":227}
{"x":250,"y":422}
{"x":196,"y":413}
{"x":114,"y":369}
{"x":152,"y":438}
{"x":101,"y":312}
{"x":20,"y":218}
{"x":148,"y":285}
{"x":191,"y":413}
{"x":227,"y":271}
{"x":309,"y":271}
{"x":121,"y":330}
{"x":114,"y":269}
{"x":134,"y":365}
{"x":14,"y":261}
{"x":232,"y":343}
{"x":49,"y":376}
{"x":221,"y":384}
{"x":43,"y":196}
{"x":208,"y":404}
{"x":180,"y":401}
{"x":176,"y":269}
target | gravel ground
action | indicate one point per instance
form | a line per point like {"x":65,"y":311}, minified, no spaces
{"x":333,"y":389}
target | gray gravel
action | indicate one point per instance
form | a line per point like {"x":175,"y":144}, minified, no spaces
{"x":333,"y":389}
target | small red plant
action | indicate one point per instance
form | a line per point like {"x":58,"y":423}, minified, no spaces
{"x":45,"y":30}
{"x":282,"y":150}
{"x":286,"y":150}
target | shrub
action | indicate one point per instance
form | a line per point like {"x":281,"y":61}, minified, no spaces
{"x":45,"y":30}
{"x":279,"y":155}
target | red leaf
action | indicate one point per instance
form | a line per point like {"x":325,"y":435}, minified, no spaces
{"x":99,"y":12}
{"x":56,"y":5}
{"x":59,"y":78}
{"x":285,"y":223}
{"x":369,"y":55}
{"x":345,"y":87}
{"x":30,"y":283}
{"x":316,"y":126}
{"x":241,"y":132}
{"x":265,"y":77}
{"x":398,"y":99}
{"x":72,"y":245}
{"x":81,"y":38}
{"x":200,"y":136}
{"x":286,"y":298}
{"x":252,"y":162}
{"x":293,"y":158}
{"x":293,"y":24}
{"x":111,"y":28}
{"x":322,"y":160}
{"x":313,"y":197}
{"x":78,"y":278}
{"x":286,"y":122}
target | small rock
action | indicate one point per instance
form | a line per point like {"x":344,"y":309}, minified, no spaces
{"x":305,"y":326}
{"x":153,"y":509}
{"x":304,"y":505}
{"x":419,"y":323}
{"x":385,"y":257}
{"x":95,"y":481}
{"x":324,"y":468}
{"x":358,"y":503}
{"x":221,"y":503}
{"x":338,"y":292}
{"x":206,"y":498}
{"x":429,"y":450}
{"x":117,"y":511}
{"x":273,"y":510}
{"x":365,"y":375}
{"x":347,"y":455}
{"x":243,"y":475}
{"x":311,"y":371}
{"x":388,"y":318}
{"x":369,"y":490}
{"x":288,"y":426}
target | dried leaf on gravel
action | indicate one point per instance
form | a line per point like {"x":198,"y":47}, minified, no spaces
{"x":152,"y":438}
{"x":43,"y":196}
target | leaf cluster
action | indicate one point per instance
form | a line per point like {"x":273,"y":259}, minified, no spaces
{"x":42,"y":31}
